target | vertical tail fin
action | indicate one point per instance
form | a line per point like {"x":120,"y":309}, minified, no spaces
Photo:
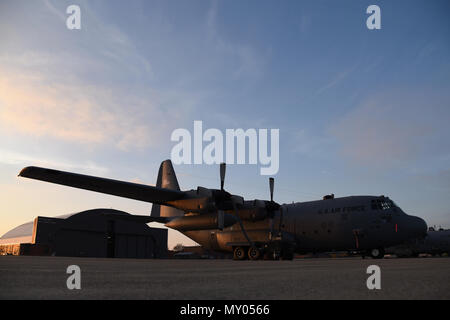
{"x":168,"y":180}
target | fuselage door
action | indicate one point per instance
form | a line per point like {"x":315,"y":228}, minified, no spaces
{"x":213,"y":243}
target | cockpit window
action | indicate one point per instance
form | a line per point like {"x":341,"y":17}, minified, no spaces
{"x":382,"y":203}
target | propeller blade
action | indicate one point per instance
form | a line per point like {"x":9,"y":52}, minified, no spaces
{"x":271,"y":185}
{"x":222,"y":174}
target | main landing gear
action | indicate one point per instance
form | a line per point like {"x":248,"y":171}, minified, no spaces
{"x":254,"y":253}
{"x":376,"y":253}
{"x":239,"y":253}
{"x":268,"y":252}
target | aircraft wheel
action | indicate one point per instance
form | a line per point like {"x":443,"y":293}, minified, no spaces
{"x":377,"y":253}
{"x":239,"y":253}
{"x":287,"y":252}
{"x":287,"y":255}
{"x":254,"y":253}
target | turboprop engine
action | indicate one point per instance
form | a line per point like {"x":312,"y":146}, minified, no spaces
{"x":218,"y":220}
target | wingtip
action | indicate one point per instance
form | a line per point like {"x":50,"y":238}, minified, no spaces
{"x":22,"y":172}
{"x":25,"y":171}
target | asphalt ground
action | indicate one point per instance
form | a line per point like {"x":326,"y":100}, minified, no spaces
{"x":25,"y":277}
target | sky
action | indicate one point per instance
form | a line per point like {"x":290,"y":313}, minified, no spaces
{"x":359,"y":111}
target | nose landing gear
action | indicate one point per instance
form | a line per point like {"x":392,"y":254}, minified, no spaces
{"x":266,"y":251}
{"x":376,"y":253}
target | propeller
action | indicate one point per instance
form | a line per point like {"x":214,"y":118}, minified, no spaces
{"x":271,"y":205}
{"x":223,"y":199}
{"x":223,"y":167}
{"x":234,"y":201}
{"x":271,"y":185}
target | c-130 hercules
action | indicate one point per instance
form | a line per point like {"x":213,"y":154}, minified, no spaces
{"x":257,"y":229}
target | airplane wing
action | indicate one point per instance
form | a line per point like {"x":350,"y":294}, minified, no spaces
{"x":124,"y":189}
{"x":137,"y":218}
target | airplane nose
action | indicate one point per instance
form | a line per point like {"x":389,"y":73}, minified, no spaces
{"x":417,"y":226}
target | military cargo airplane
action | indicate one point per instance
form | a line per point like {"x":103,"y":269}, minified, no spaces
{"x":257,"y":229}
{"x":437,"y":242}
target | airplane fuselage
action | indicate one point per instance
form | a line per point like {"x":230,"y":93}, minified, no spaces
{"x":348,"y":223}
{"x":222,"y":221}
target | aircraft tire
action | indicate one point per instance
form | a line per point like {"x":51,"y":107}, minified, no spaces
{"x":254,"y":253}
{"x":377,"y":253}
{"x":287,"y":255}
{"x":287,"y":252}
{"x":239,"y":253}
{"x":271,"y":255}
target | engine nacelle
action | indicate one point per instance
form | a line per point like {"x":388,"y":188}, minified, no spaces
{"x":202,"y":222}
{"x":204,"y":192}
{"x":254,"y":210}
{"x":257,"y":210}
{"x":254,"y":214}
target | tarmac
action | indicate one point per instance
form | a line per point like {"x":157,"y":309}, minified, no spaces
{"x":25,"y":277}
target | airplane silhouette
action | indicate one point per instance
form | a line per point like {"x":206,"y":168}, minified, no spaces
{"x":257,"y":229}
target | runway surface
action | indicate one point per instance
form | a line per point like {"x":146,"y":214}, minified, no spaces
{"x":342,"y":278}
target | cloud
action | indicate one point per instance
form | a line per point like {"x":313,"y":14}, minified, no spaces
{"x":211,"y":18}
{"x":82,"y":96}
{"x":82,"y":114}
{"x":55,"y":11}
{"x":394,"y":129}
{"x":9,"y":157}
{"x":105,"y":95}
{"x":311,"y":145}
{"x":439,"y":180}
{"x":100,"y":50}
{"x":246,"y":61}
{"x":338,"y":78}
{"x":305,"y":24}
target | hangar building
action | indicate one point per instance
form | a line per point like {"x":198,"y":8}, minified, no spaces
{"x":91,"y":233}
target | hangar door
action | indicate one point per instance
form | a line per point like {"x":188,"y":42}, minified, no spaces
{"x":134,"y":246}
{"x":82,"y":243}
